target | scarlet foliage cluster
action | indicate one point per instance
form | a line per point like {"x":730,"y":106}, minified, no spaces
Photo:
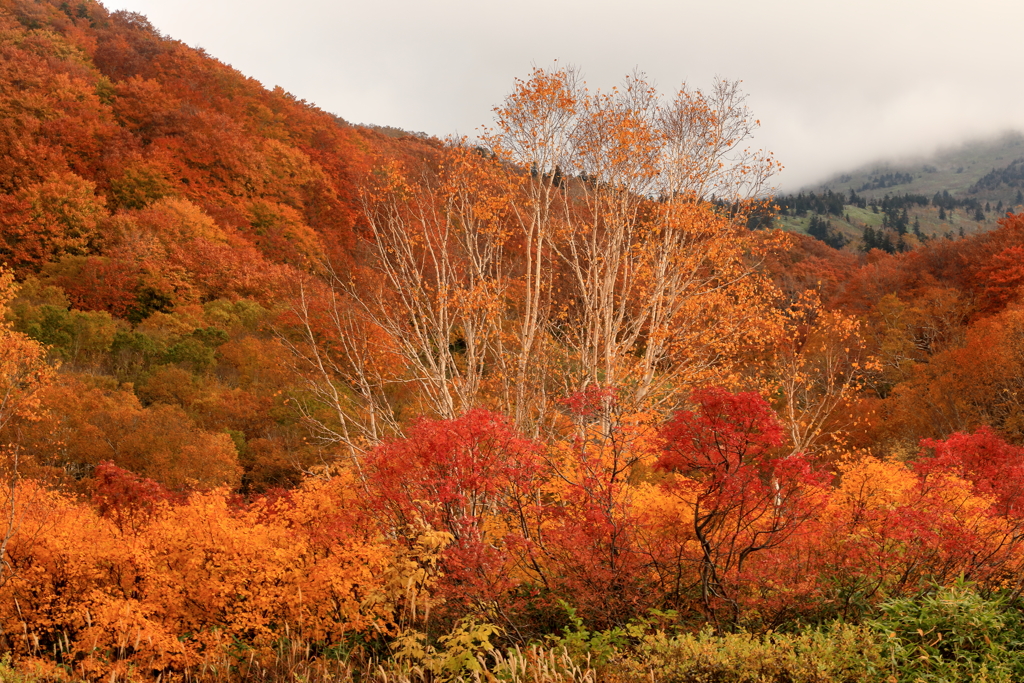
{"x":727,"y":433}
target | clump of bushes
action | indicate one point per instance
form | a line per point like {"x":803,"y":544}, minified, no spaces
{"x":952,"y":633}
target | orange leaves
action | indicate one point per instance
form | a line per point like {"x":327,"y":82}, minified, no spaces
{"x":890,"y":529}
{"x":89,"y":424}
{"x":281,"y":233}
{"x":645,"y":282}
{"x":23,"y":373}
{"x":247,"y":574}
{"x":144,"y":106}
{"x":180,"y":252}
{"x":960,"y":389}
{"x":59,"y":216}
{"x":193,"y":577}
{"x":97,"y":283}
{"x":535,"y":121}
{"x":434,"y":286}
{"x":596,"y":250}
{"x":995,"y":274}
{"x":630,"y":139}
{"x":820,"y":368}
{"x":23,"y":370}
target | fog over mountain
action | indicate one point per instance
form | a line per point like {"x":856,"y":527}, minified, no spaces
{"x":834,"y":86}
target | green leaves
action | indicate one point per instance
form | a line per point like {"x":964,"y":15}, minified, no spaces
{"x":953,"y":634}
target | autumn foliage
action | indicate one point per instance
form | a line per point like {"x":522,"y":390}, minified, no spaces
{"x":270,"y":379}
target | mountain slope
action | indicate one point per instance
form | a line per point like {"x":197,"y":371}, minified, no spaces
{"x":107,"y":118}
{"x":897,"y":205}
{"x":956,"y":170}
{"x":159,"y":209}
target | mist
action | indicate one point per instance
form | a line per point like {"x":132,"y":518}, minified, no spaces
{"x":834,"y":86}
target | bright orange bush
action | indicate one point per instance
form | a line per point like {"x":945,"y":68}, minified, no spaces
{"x":158,"y":583}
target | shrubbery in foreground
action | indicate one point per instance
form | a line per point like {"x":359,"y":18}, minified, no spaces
{"x":946,"y":635}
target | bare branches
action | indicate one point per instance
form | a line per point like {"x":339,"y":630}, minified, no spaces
{"x":583,"y":248}
{"x":622,"y":195}
{"x":342,"y":370}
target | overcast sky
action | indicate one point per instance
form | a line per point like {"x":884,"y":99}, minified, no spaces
{"x":835,"y":84}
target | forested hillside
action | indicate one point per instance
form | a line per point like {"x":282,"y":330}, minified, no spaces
{"x":896,"y":206}
{"x":159,"y":208}
{"x":283,"y":398}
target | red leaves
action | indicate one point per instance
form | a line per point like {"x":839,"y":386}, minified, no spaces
{"x":470,"y":477}
{"x":126,"y":498}
{"x":994,"y":467}
{"x":724,"y":432}
{"x":451,"y":473}
{"x":590,"y":403}
{"x":1000,"y":278}
{"x":97,"y":283}
{"x":743,"y":500}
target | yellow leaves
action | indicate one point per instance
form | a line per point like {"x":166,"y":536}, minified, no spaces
{"x":666,"y":509}
{"x":286,"y":170}
{"x":462,"y":650}
{"x":873,"y":494}
{"x":870,"y":481}
{"x":404,"y":588}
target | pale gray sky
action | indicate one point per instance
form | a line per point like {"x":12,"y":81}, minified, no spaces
{"x":835,"y":84}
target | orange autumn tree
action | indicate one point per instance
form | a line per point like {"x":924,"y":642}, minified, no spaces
{"x":636,"y":273}
{"x":819,"y":370}
{"x":23,"y":371}
{"x":56,"y":217}
{"x":88,"y":425}
{"x":599,"y":239}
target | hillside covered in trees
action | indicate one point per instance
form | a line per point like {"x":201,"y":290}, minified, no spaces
{"x":284,"y":398}
{"x":897,"y":206}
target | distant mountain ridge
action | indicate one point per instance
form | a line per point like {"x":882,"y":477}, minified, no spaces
{"x":1011,"y":177}
{"x":897,"y":205}
{"x":990,"y":170}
